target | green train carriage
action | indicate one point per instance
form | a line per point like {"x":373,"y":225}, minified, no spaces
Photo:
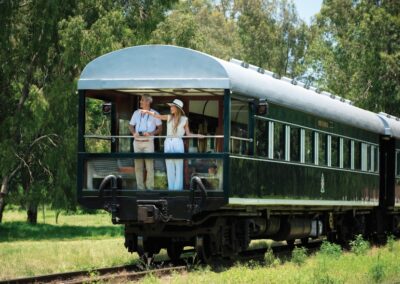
{"x":291,"y":162}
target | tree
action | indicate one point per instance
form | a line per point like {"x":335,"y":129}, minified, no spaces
{"x":202,"y":26}
{"x":272,"y":35}
{"x":45,"y":45}
{"x":356,"y":50}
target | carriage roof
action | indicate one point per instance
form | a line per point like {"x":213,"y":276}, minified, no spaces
{"x":172,"y":67}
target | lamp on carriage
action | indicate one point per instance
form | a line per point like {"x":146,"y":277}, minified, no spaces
{"x":261,"y":106}
{"x":106,"y":108}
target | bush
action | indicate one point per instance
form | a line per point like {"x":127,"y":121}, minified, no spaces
{"x":330,"y":249}
{"x":390,"y":243}
{"x":377,"y":270}
{"x":359,"y":246}
{"x":270,"y":259}
{"x":299,"y":255}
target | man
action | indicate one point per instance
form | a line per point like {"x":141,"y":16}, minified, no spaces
{"x":141,"y":126}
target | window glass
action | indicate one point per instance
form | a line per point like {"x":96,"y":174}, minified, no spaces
{"x":335,"y":151}
{"x":368,"y":157}
{"x":346,"y":153}
{"x":97,"y":123}
{"x":322,"y":151}
{"x":261,"y":138}
{"x":398,"y":164}
{"x":376,"y":159}
{"x":309,"y":146}
{"x":239,"y":126}
{"x":295,"y":144}
{"x":279,"y":141}
{"x":357,"y":155}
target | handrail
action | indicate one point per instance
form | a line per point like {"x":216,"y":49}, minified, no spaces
{"x":165,"y":136}
{"x":158,"y":136}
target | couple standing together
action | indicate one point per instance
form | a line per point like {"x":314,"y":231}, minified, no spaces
{"x":144,"y":124}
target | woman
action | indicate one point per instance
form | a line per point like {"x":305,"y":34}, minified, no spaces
{"x":177,"y":126}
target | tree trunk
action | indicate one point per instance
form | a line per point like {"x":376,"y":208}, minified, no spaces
{"x":57,"y":215}
{"x":3,"y":193}
{"x":32,"y":213}
{"x":2,"y":206}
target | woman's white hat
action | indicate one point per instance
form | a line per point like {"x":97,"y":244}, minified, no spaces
{"x":178,"y":104}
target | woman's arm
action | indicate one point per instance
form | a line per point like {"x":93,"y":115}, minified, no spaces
{"x":187,"y":130}
{"x":152,"y":113}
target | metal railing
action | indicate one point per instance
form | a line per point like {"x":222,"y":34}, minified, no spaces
{"x":198,"y":136}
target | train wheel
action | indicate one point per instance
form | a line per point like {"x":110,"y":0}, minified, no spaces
{"x":174,"y":251}
{"x":290,"y":243}
{"x":146,"y":250}
{"x":304,"y":241}
{"x":203,"y":248}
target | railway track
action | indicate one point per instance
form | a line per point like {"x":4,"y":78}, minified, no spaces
{"x":136,"y":272}
{"x":112,"y":274}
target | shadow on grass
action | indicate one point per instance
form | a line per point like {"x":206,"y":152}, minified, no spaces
{"x":21,"y":231}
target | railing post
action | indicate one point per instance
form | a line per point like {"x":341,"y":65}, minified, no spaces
{"x":227,"y":120}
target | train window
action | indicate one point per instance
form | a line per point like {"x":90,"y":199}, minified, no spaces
{"x":261,"y":137}
{"x":398,"y":163}
{"x":376,"y":159}
{"x":309,"y":146}
{"x":365,"y":157}
{"x":357,"y":155}
{"x":97,"y":123}
{"x":239,"y":127}
{"x":335,"y":151}
{"x":295,"y":144}
{"x":279,"y":141}
{"x":346,"y":153}
{"x":204,"y":119}
{"x":322,"y":149}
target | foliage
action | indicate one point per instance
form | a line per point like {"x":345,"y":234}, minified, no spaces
{"x":377,"y":270}
{"x":330,"y":249}
{"x":202,"y":26}
{"x":272,"y":35}
{"x":270,"y":259}
{"x":355,"y":52}
{"x":390,"y":243}
{"x":46,"y":45}
{"x":359,"y":246}
{"x":299,"y":255}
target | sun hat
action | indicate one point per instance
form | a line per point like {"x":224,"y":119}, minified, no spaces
{"x":178,"y":104}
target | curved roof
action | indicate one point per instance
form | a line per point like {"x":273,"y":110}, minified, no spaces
{"x":153,"y":66}
{"x":162,"y":66}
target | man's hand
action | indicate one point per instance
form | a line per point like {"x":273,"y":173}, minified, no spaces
{"x":146,"y":134}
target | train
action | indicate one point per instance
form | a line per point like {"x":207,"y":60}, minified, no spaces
{"x":277,"y":159}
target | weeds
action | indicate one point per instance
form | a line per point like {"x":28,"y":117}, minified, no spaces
{"x":377,"y":271}
{"x":193,"y":263}
{"x":270,"y":259}
{"x":330,"y":249}
{"x":359,"y":246}
{"x":299,"y":255}
{"x":390,"y":243}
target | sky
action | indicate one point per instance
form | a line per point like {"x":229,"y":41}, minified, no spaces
{"x":307,"y":8}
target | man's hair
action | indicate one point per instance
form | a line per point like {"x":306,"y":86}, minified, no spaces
{"x":147,"y":98}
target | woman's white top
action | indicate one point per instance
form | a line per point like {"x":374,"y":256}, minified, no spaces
{"x":180,"y":130}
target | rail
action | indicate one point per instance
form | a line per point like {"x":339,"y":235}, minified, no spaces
{"x":113,"y":137}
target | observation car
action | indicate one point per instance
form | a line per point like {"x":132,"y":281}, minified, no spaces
{"x":290,"y":162}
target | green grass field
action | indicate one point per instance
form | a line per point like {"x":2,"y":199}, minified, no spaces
{"x":89,"y":241}
{"x":77,"y":242}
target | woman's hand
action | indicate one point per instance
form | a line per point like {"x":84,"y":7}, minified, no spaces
{"x":145,"y":111}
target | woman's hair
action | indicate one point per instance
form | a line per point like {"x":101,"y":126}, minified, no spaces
{"x":178,"y":114}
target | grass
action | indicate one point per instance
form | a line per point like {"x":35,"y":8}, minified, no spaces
{"x":85,"y":226}
{"x":328,"y":266}
{"x":87,"y":241}
{"x":77,"y":242}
